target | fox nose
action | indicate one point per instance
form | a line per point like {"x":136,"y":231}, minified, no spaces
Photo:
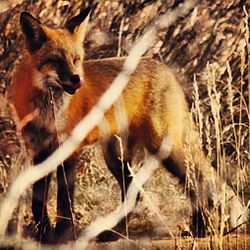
{"x":76,"y":79}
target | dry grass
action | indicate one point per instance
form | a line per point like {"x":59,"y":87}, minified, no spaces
{"x":223,"y":121}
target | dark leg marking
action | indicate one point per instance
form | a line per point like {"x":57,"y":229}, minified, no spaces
{"x":65,"y":230}
{"x":121,"y":173}
{"x":39,"y":200}
{"x":198,"y":224}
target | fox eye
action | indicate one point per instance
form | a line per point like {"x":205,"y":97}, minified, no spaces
{"x":55,"y":62}
{"x":76,"y":59}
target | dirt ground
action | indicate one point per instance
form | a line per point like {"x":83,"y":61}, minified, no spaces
{"x":233,"y":242}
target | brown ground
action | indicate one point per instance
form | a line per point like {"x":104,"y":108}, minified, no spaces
{"x":232,"y":242}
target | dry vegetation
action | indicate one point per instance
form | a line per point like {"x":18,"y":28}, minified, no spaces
{"x":209,"y":48}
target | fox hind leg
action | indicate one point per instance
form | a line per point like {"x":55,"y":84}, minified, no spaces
{"x":121,"y":172}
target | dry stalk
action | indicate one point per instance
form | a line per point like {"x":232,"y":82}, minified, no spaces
{"x":197,"y":109}
{"x":124,"y":185}
{"x":120,"y":38}
{"x":214,"y":98}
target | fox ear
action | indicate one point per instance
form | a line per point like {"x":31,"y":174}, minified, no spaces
{"x":78,"y":24}
{"x":33,"y":31}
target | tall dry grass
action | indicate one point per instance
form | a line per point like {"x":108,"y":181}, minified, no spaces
{"x":223,"y":122}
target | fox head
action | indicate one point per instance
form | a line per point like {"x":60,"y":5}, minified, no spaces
{"x":56,"y":54}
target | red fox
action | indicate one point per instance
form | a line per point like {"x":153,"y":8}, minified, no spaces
{"x":53,"y":80}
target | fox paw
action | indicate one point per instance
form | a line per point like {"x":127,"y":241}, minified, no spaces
{"x":107,"y":235}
